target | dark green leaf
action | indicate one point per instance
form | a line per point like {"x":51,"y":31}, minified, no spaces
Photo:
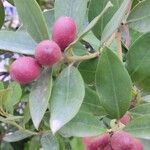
{"x":113,"y":84}
{"x":19,"y":42}
{"x":96,"y":6}
{"x":83,"y":125}
{"x":139,"y":127}
{"x":74,"y":8}
{"x":48,"y":141}
{"x":32,"y":18}
{"x":2,"y":14}
{"x":39,"y":97}
{"x":139,"y":18}
{"x":67,"y":97}
{"x":138,"y":62}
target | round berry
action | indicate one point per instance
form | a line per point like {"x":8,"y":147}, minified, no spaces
{"x":47,"y":53}
{"x":64,"y":31}
{"x":24,"y":70}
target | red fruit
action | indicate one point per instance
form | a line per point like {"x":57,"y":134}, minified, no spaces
{"x":47,"y":53}
{"x":108,"y":147}
{"x":97,"y":142}
{"x":24,"y":70}
{"x":137,"y":145}
{"x":121,"y":141}
{"x":125,"y":119}
{"x":64,"y":31}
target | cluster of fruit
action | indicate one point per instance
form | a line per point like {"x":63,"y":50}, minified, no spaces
{"x":118,"y":140}
{"x":48,"y":52}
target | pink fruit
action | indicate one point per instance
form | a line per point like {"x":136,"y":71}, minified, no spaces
{"x":24,"y":70}
{"x":97,"y":142}
{"x":48,"y":53}
{"x":108,"y":147}
{"x":64,"y":31}
{"x":137,"y":145}
{"x":121,"y":141}
{"x":125,"y":119}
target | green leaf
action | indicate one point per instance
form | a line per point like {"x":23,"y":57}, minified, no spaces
{"x":96,"y":6}
{"x":39,"y":97}
{"x":48,"y":141}
{"x":139,"y":18}
{"x":16,"y":136}
{"x":141,"y":110}
{"x":87,"y":69}
{"x":18,"y":42}
{"x":6,"y":146}
{"x":49,"y":18}
{"x":92,"y":103}
{"x":115,"y":21}
{"x":83,"y":125}
{"x":32,"y":18}
{"x":76,"y":9}
{"x":113,"y":84}
{"x":13,"y":96}
{"x":67,"y":97}
{"x":2,"y":14}
{"x":138,"y":62}
{"x":139,"y":127}
{"x":34,"y":143}
{"x":77,"y":144}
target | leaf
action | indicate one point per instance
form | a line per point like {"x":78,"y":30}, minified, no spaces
{"x":32,"y":18}
{"x":141,"y":110}
{"x":67,"y":97}
{"x":18,"y":42}
{"x":139,"y":127}
{"x":87,"y":69}
{"x":77,"y":144}
{"x":49,"y":18}
{"x":76,"y":9}
{"x":2,"y":14}
{"x":48,"y":141}
{"x":113,"y":84}
{"x":146,"y":144}
{"x":139,"y":18}
{"x":34,"y":143}
{"x":6,"y":146}
{"x":92,"y":103}
{"x":95,"y":7}
{"x":13,"y":96}
{"x":138,"y":62}
{"x":16,"y":136}
{"x":83,"y":125}
{"x":39,"y":97}
{"x":115,"y":21}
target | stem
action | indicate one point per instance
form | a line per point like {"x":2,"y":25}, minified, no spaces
{"x":81,"y":58}
{"x":118,"y":38}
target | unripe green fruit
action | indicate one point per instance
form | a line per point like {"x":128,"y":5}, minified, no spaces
{"x":47,"y":53}
{"x":137,"y":145}
{"x":64,"y":31}
{"x":24,"y":70}
{"x":121,"y":141}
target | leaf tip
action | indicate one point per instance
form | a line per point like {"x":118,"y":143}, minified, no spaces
{"x":55,"y":125}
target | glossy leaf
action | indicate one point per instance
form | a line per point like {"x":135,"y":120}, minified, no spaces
{"x":83,"y":125}
{"x":67,"y":97}
{"x":48,"y":141}
{"x":76,"y":9}
{"x":18,"y":42}
{"x":16,"y":136}
{"x":115,"y":21}
{"x":138,"y":62}
{"x":13,"y":96}
{"x":96,"y":6}
{"x":39,"y":97}
{"x":32,"y":18}
{"x":2,"y":14}
{"x":113,"y":84}
{"x":139,"y":18}
{"x":139,"y":127}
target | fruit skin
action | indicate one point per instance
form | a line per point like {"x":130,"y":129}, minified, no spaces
{"x":121,"y":141}
{"x":97,"y":142}
{"x":48,"y":53}
{"x":137,"y":145}
{"x":108,"y":147}
{"x":64,"y":31}
{"x":24,"y":70}
{"x":125,"y":119}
